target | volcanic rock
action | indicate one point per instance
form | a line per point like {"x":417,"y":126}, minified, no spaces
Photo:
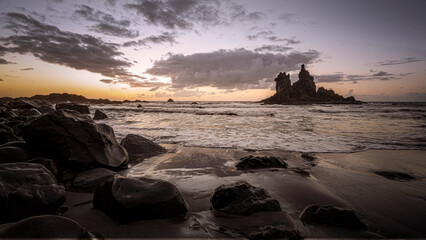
{"x":241,"y":198}
{"x":99,"y":115}
{"x":28,"y":189}
{"x":253,"y":162}
{"x":89,"y":180}
{"x":68,"y":136}
{"x":84,"y":109}
{"x":140,"y":148}
{"x":330,"y":215}
{"x":130,"y":199}
{"x":46,"y":227}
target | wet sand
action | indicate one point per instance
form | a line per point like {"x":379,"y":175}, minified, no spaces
{"x":390,"y":208}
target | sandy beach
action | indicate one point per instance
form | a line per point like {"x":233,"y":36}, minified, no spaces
{"x":390,"y":208}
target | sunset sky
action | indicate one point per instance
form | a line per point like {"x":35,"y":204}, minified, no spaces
{"x":220,"y":50}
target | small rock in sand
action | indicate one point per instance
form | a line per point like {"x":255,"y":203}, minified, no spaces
{"x":89,"y":180}
{"x":253,"y":162}
{"x":395,"y":175}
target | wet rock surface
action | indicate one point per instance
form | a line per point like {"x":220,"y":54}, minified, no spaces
{"x":45,"y":226}
{"x":68,"y":136}
{"x":50,"y":165}
{"x":241,"y":198}
{"x":15,"y":151}
{"x":83,"y":109}
{"x":140,"y":148}
{"x":274,"y":232}
{"x":28,"y":189}
{"x":131,"y":199}
{"x":88,"y":181}
{"x":331,"y":216}
{"x":255,"y":162}
{"x":398,"y":176}
{"x":99,"y":115}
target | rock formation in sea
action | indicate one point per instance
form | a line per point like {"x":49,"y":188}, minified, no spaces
{"x":304,"y":91}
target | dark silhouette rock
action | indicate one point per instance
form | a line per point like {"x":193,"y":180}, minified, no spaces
{"x":89,"y":180}
{"x":12,"y":152}
{"x":303,"y":91}
{"x":46,"y":109}
{"x":194,"y":103}
{"x":253,"y":162}
{"x":139,"y":106}
{"x":68,"y":136}
{"x":99,"y":115}
{"x":274,"y":232}
{"x":7,"y":134}
{"x":30,"y":112}
{"x":24,"y":103}
{"x":140,"y":148}
{"x":241,"y":198}
{"x":130,"y":199}
{"x":301,"y":172}
{"x":8,"y":114}
{"x":308,"y":157}
{"x":395,"y":175}
{"x":50,"y":165}
{"x":46,"y":227}
{"x":28,"y":189}
{"x":84,"y":109}
{"x":333,"y":216}
{"x":66,"y":97}
{"x":170,"y":100}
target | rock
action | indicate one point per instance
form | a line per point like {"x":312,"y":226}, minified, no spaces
{"x":300,"y":172}
{"x":68,"y":136}
{"x":140,"y":148}
{"x":29,"y":112}
{"x":241,"y":198}
{"x":139,"y":106}
{"x":50,"y":165}
{"x":274,"y":232}
{"x":11,"y":152}
{"x":7,"y":134}
{"x":46,"y":109}
{"x":308,"y":157}
{"x":16,"y":125}
{"x":28,"y":189}
{"x":7,"y":114}
{"x":84,"y":109}
{"x":253,"y":162}
{"x":304,"y":91}
{"x":395,"y":175}
{"x":89,"y":180}
{"x":99,"y":115}
{"x":130,"y":199}
{"x":170,"y":100}
{"x":45,"y":226}
{"x":23,"y":103}
{"x":194,"y":103}
{"x":333,"y":216}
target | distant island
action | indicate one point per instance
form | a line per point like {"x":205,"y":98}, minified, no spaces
{"x":304,"y":91}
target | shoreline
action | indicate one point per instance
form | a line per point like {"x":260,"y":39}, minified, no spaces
{"x":335,"y":179}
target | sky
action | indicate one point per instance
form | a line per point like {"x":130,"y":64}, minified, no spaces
{"x":213,"y":50}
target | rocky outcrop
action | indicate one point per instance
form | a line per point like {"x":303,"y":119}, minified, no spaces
{"x":28,"y":189}
{"x":84,"y":109}
{"x":46,"y":109}
{"x":140,"y":148}
{"x":130,"y":199}
{"x":253,"y":162}
{"x":241,"y":198}
{"x":16,"y":151}
{"x":274,"y":232}
{"x":66,"y":97}
{"x":88,"y":181}
{"x":50,"y":165}
{"x":332,"y":216}
{"x":170,"y":100}
{"x":45,"y":227}
{"x":99,"y":115}
{"x":75,"y":139}
{"x":304,"y":91}
{"x":23,"y":103}
{"x":7,"y":134}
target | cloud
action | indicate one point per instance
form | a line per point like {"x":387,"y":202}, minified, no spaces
{"x":289,"y":17}
{"x":269,"y":35}
{"x":108,"y":81}
{"x":229,"y":69}
{"x":382,"y":73}
{"x":239,"y":13}
{"x":351,"y":91}
{"x":105,"y":23}
{"x":181,"y":93}
{"x":4,"y":61}
{"x":262,"y":34}
{"x":272,"y":48}
{"x":397,"y":62}
{"x":338,"y":77}
{"x":165,"y":37}
{"x":341,"y":77}
{"x":27,"y":69}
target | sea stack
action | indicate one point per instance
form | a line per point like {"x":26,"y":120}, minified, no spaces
{"x":304,"y":91}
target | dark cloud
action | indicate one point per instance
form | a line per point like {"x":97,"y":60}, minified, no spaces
{"x":287,"y":41}
{"x":397,"y":62}
{"x":262,"y":34}
{"x":340,"y":77}
{"x":105,"y":23}
{"x":27,"y":69}
{"x":229,"y":69}
{"x":269,"y":35}
{"x":382,"y":73}
{"x":108,"y":81}
{"x":289,"y":17}
{"x":4,"y":61}
{"x":272,"y":48}
{"x":239,"y":13}
{"x":165,"y":37}
{"x":111,"y":2}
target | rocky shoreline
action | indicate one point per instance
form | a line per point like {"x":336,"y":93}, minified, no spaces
{"x":62,"y":174}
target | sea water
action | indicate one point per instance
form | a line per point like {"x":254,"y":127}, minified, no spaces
{"x":250,"y":125}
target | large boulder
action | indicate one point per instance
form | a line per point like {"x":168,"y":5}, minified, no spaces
{"x":89,"y":180}
{"x":274,"y":232}
{"x":28,"y":189}
{"x":75,"y":138}
{"x":330,"y":215}
{"x":253,"y":162}
{"x":15,"y":151}
{"x":50,"y":165}
{"x":46,"y":109}
{"x":99,"y":115}
{"x":83,"y":109}
{"x":46,"y":227}
{"x":30,"y":113}
{"x":23,"y":103}
{"x":7,"y":134}
{"x":140,"y":148}
{"x":130,"y":199}
{"x":241,"y":198}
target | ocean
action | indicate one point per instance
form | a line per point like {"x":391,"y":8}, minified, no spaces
{"x":251,"y":125}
